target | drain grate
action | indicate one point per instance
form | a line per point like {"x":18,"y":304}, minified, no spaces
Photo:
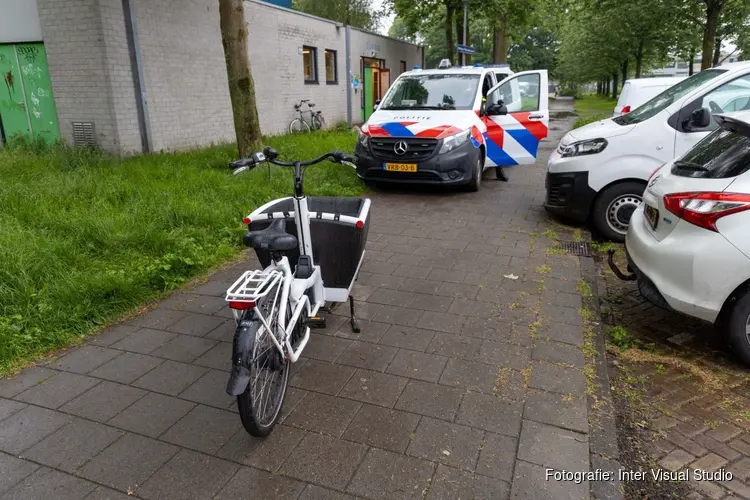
{"x":576,"y":248}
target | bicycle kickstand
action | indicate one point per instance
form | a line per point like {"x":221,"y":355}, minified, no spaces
{"x":355,"y":323}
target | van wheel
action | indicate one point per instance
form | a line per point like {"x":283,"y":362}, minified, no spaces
{"x":738,"y":328}
{"x":613,"y":208}
{"x":476,"y":176}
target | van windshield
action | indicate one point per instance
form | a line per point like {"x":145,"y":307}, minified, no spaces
{"x":446,"y":91}
{"x":663,"y":100}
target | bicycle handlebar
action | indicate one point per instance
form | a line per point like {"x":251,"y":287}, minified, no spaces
{"x":270,"y":155}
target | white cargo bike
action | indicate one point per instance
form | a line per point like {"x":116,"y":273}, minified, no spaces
{"x":276,"y":307}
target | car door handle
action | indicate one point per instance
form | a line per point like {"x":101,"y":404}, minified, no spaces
{"x":536,"y":117}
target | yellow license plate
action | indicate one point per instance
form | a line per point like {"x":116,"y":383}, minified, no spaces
{"x":401,"y":167}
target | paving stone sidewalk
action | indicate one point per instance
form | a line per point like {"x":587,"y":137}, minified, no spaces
{"x":466,"y":380}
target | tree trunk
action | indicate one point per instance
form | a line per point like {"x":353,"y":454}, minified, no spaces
{"x":449,"y":30}
{"x":606,"y":87}
{"x":639,"y":59}
{"x":599,"y":88}
{"x":241,"y":85}
{"x":500,"y":50}
{"x":625,"y":70}
{"x":717,"y":52}
{"x":614,"y":85}
{"x":459,"y":34}
{"x":692,"y":58}
{"x":713,"y":12}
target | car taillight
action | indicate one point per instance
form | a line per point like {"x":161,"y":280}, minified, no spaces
{"x":704,"y":209}
{"x":626,"y":109}
{"x":246,"y":221}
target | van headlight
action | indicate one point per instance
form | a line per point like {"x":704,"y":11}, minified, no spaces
{"x":453,"y":141}
{"x":362,"y":139}
{"x":581,"y":148}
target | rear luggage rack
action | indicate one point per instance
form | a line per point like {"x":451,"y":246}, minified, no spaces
{"x":252,"y":285}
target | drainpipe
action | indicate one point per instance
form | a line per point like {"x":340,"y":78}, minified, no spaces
{"x":348,"y":76}
{"x":141,"y":98}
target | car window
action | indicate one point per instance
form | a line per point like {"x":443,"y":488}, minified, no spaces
{"x":499,"y":77}
{"x":487,"y":85}
{"x":435,"y":91}
{"x":719,"y":155}
{"x":739,"y":104}
{"x":726,"y":98}
{"x":518,"y":94}
{"x":669,"y":96}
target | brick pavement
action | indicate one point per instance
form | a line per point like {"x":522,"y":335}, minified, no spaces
{"x":699,"y":417}
{"x":459,"y":385}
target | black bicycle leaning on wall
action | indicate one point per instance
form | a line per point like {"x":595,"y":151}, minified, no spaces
{"x":301,"y":124}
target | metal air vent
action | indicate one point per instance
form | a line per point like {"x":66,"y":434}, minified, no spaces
{"x":83,"y":134}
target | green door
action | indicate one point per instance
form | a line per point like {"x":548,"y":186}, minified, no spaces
{"x":12,"y":100}
{"x":37,"y":86}
{"x":368,"y":88}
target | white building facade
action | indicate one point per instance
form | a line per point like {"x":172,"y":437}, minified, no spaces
{"x":135,"y":75}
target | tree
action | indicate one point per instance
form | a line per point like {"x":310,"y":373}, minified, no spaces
{"x":400,"y":30}
{"x":507,"y":15}
{"x":537,"y":50}
{"x":713,"y":13}
{"x":241,"y":85}
{"x":357,"y":13}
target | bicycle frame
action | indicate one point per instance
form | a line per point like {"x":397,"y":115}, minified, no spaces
{"x":293,"y":290}
{"x":312,"y":124}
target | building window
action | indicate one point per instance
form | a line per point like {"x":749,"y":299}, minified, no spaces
{"x":332,"y":75}
{"x":403,"y":66}
{"x":310,"y":63}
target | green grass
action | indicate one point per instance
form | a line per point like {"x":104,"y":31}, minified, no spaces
{"x":591,"y":108}
{"x":86,"y":238}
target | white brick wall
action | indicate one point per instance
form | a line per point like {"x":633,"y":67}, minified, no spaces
{"x":184,"y":71}
{"x":120,"y":76}
{"x":73,"y":39}
{"x":275,"y":41}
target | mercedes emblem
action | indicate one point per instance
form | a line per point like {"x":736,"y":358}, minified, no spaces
{"x":400,"y":148}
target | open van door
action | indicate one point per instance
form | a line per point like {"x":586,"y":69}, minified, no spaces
{"x":517,"y":117}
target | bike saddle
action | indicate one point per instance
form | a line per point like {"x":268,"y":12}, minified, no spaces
{"x":274,"y":238}
{"x":311,"y":104}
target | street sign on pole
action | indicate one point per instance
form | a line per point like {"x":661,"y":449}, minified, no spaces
{"x":464,"y":49}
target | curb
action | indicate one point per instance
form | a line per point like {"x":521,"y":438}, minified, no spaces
{"x":604,"y":452}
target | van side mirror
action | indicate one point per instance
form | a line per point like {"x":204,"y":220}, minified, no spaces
{"x":377,"y":103}
{"x":497,"y":109}
{"x":700,"y":118}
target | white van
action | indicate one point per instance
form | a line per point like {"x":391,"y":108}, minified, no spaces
{"x":599,"y":171}
{"x":640,"y":90}
{"x":448,"y":125}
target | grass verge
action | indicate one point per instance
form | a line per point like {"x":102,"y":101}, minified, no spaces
{"x":591,"y":108}
{"x":86,"y":237}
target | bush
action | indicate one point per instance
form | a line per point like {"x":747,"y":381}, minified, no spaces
{"x":568,"y":90}
{"x":86,"y":237}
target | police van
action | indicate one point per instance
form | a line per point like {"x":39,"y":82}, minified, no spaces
{"x":448,"y":125}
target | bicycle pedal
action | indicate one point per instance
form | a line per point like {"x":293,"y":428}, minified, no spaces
{"x":314,"y":322}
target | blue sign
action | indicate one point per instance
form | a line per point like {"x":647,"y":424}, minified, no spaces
{"x":281,"y":3}
{"x":464,"y":49}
